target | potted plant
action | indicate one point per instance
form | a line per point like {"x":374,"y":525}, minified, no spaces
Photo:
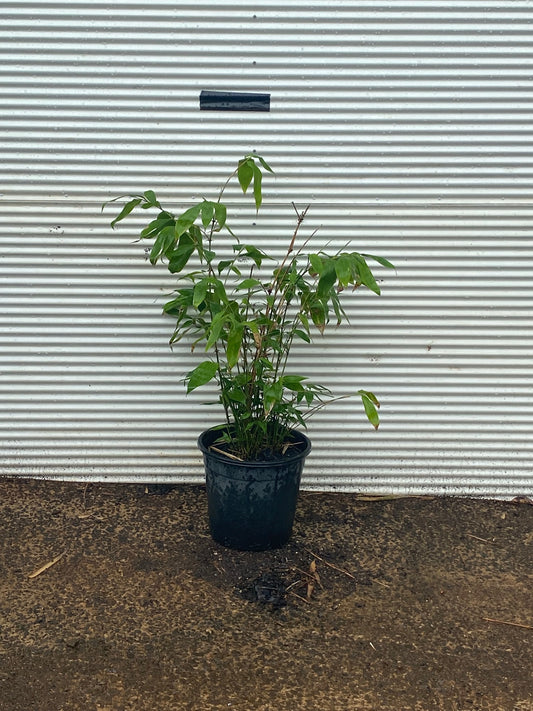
{"x":246,"y":309}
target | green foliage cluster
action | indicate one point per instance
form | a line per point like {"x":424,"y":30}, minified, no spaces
{"x":247,"y":321}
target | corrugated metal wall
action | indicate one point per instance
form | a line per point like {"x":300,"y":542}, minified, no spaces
{"x":407,"y":125}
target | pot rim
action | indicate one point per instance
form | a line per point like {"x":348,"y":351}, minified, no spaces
{"x":254,"y":463}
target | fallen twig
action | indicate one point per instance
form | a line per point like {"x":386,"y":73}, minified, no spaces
{"x":86,"y":514}
{"x":291,"y":592}
{"x":483,"y":540}
{"x":309,"y":579}
{"x":330,"y":565}
{"x":511,"y":624}
{"x":47,"y":565}
{"x":293,"y":585}
{"x":85,"y":495}
{"x":310,"y":574}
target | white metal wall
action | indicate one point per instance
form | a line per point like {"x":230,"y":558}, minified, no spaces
{"x":406,"y":124}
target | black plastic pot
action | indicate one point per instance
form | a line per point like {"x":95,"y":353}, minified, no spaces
{"x":251,"y":505}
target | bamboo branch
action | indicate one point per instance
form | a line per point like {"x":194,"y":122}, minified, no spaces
{"x":226,"y":454}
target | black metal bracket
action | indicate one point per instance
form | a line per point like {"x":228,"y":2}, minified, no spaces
{"x":233,"y":101}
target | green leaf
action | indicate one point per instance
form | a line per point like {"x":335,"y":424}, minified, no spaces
{"x":381,"y":260}
{"x":302,"y":334}
{"x":200,"y":292}
{"x":165,"y":240}
{"x":293,"y":382}
{"x":245,"y":173}
{"x":237,"y":395}
{"x":264,"y":164}
{"x":248,"y":283}
{"x":197,"y":235}
{"x":366,"y":276}
{"x":151,"y":230}
{"x":180,"y":256}
{"x":305,"y":321}
{"x":343,"y":269}
{"x":326,"y":281}
{"x":128,"y":207}
{"x":208,"y":210}
{"x":340,"y":313}
{"x":220,"y":214}
{"x":272,"y":393}
{"x":370,"y":403}
{"x":319,"y":315}
{"x":201,"y":375}
{"x":258,"y":195}
{"x":224,"y":264}
{"x":179,"y":302}
{"x":233,"y":346}
{"x":256,"y":254}
{"x":214,"y":331}
{"x":187,"y":219}
{"x":219,"y":290}
{"x":266,"y":364}
{"x":151,"y":199}
{"x":317,"y":264}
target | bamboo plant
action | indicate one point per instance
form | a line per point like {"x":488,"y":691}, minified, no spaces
{"x":247,"y":318}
